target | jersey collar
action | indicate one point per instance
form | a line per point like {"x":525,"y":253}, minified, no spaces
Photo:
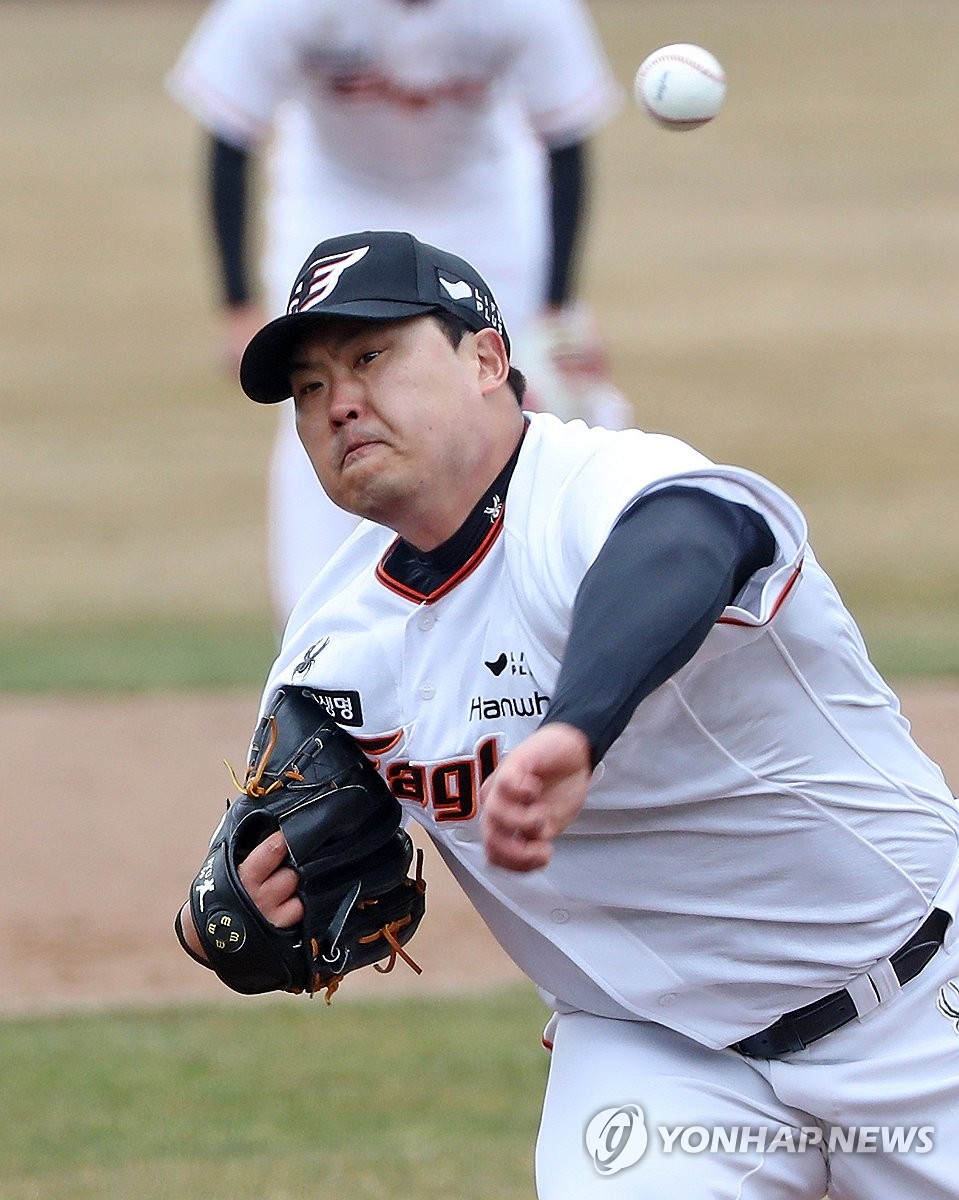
{"x":423,"y":576}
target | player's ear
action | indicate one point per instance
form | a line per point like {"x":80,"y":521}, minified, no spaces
{"x":492,"y":360}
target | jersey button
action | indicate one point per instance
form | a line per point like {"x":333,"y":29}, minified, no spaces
{"x":426,"y":621}
{"x":668,"y":998}
{"x":427,"y":691}
{"x":560,"y":916}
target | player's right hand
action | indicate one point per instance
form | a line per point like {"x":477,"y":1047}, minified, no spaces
{"x":533,"y":795}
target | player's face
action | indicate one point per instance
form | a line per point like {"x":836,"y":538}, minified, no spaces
{"x":401,"y":426}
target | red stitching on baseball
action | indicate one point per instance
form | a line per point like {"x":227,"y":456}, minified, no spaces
{"x":687,"y":62}
{"x":672,"y":120}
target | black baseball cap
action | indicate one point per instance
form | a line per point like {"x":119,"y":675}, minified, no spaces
{"x":378,"y":276}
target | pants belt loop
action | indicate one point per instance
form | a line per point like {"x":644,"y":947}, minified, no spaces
{"x":796,"y":1030}
{"x":863,"y":994}
{"x":874,"y":988}
{"x":885,"y":980}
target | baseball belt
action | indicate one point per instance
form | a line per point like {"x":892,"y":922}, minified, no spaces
{"x":800,"y":1028}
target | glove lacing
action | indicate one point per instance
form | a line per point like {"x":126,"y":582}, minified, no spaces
{"x":252,"y":787}
{"x":388,"y":931}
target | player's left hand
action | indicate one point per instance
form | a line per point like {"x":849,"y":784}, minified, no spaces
{"x":270,"y":882}
{"x":531,"y":797}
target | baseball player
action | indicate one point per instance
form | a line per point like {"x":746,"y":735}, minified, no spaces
{"x":467,"y":124}
{"x":610,"y":679}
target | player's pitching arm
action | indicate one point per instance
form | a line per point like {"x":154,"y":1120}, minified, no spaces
{"x":670,"y":566}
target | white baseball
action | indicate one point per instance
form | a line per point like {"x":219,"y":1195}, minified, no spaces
{"x":681,"y":86}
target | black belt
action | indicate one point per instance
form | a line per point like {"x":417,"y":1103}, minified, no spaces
{"x":802,"y":1026}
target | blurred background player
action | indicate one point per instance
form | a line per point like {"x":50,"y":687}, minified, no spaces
{"x":465,"y":124}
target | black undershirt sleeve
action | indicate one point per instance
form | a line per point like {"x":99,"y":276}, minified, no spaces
{"x":568,"y":187}
{"x":229,"y":175}
{"x":670,"y":566}
{"x":229,"y":171}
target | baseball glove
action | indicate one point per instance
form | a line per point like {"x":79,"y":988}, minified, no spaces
{"x":309,"y":779}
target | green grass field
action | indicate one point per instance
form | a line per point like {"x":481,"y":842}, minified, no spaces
{"x":367,"y":1100}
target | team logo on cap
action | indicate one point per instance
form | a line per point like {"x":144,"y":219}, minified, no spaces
{"x":322,"y":278}
{"x":457,"y":289}
{"x":462,"y":292}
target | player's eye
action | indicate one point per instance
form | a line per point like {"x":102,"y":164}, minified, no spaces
{"x":367,"y":357}
{"x":308,"y":388}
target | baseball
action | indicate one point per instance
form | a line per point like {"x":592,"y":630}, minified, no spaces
{"x":681,"y":86}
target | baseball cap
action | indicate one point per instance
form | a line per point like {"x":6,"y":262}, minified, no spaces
{"x":379,"y":275}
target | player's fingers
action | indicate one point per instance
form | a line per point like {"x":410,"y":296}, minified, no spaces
{"x":510,"y":787}
{"x":263,"y":860}
{"x":515,"y":835}
{"x":276,"y":896}
{"x":517,"y":853}
{"x":279,"y":887}
{"x":288,"y":914}
{"x":517,"y":820}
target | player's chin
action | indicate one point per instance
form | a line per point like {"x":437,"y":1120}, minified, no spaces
{"x":355,"y":488}
{"x":369,"y":469}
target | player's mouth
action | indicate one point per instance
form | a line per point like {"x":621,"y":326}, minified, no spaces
{"x":357,"y":449}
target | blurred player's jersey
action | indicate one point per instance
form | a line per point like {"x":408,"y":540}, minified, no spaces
{"x":441,"y":105}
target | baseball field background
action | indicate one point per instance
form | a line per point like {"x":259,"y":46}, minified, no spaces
{"x":779,"y":288}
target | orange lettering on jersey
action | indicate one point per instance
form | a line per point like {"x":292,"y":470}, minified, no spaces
{"x":487,"y":758}
{"x":451,"y":789}
{"x":407,"y":782}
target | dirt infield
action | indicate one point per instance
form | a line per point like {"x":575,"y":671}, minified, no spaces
{"x":113,"y":831}
{"x":112,"y":835}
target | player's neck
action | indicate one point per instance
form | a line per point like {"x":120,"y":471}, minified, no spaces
{"x":440,"y":530}
{"x":426,"y":573}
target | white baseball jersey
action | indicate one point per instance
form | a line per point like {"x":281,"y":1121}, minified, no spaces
{"x":763,"y":831}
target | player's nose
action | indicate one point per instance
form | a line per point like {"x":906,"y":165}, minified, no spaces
{"x":348,"y":399}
